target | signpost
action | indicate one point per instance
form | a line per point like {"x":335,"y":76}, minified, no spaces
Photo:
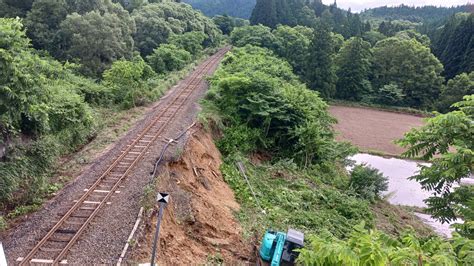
{"x":3,"y":259}
{"x":162,"y":199}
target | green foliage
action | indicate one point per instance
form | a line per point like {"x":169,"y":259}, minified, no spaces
{"x":158,"y":21}
{"x":14,"y":8}
{"x":320,"y":72}
{"x":3,"y":223}
{"x":353,"y":65}
{"x":42,"y":23}
{"x":411,"y":66}
{"x":412,"y":34}
{"x":368,"y":182}
{"x":292,"y":197}
{"x":227,"y":24}
{"x":255,"y":89}
{"x":454,"y":91}
{"x":43,"y":115}
{"x":189,"y":41}
{"x":454,"y":44}
{"x":390,"y":95}
{"x":371,"y":247}
{"x":293,"y":45}
{"x":22,"y":99}
{"x":115,"y":28}
{"x":258,"y":35}
{"x":128,"y":82}
{"x":238,"y":139}
{"x":234,"y":8}
{"x":414,"y":13}
{"x":373,"y":37}
{"x":447,"y":141}
{"x":168,"y":58}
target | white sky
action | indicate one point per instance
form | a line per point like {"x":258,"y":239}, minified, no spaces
{"x":358,"y":5}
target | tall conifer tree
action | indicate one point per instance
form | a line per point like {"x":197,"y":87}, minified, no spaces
{"x":320,"y":72}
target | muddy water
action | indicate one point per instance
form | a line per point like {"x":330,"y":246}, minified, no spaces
{"x":401,"y":190}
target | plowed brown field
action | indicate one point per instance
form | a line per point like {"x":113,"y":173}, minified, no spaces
{"x":371,"y":129}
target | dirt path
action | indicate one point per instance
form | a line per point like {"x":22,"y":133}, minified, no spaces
{"x":104,"y":239}
{"x":373,"y":130}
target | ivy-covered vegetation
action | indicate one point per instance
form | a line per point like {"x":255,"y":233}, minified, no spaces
{"x":48,"y":102}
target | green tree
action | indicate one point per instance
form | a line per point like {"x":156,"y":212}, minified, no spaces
{"x":446,"y":141}
{"x":265,"y":13}
{"x":409,"y":65}
{"x":368,"y":182}
{"x":127,"y":80}
{"x":189,"y":41}
{"x":43,"y":22}
{"x":353,"y":64}
{"x":320,"y":72}
{"x":293,"y":45}
{"x":373,"y":37}
{"x":258,"y":35}
{"x":168,"y":58}
{"x":412,"y":34}
{"x":225,"y":23}
{"x":97,"y":39}
{"x":158,"y":21}
{"x":454,"y":45}
{"x":455,"y":90}
{"x":22,"y":100}
{"x":15,"y":8}
{"x":390,"y":95}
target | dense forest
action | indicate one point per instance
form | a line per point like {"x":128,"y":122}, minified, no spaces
{"x":425,"y":14}
{"x":234,"y":8}
{"x":67,"y":62}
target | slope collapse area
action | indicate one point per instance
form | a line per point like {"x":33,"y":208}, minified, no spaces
{"x":199,"y":224}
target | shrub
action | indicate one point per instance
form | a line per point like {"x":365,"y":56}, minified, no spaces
{"x":127,"y":80}
{"x":238,"y":138}
{"x":368,"y":182}
{"x":3,"y":223}
{"x":168,"y":58}
{"x":372,"y":247}
{"x":390,"y":94}
{"x":189,"y":41}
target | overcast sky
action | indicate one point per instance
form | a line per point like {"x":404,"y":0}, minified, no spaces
{"x":358,"y":5}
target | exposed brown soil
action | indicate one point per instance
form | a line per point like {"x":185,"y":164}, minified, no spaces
{"x":373,"y":130}
{"x":199,"y":223}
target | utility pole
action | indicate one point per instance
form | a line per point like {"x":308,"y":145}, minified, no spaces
{"x":162,"y":199}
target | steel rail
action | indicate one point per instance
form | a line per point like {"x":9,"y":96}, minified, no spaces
{"x":194,"y":80}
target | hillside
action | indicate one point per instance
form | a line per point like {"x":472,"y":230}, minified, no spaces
{"x":414,"y":14}
{"x":234,"y":8}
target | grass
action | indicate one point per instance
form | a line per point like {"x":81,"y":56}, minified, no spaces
{"x":390,"y":155}
{"x":395,"y":219}
{"x":294,"y":198}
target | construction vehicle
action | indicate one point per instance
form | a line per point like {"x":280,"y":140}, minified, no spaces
{"x":278,"y":248}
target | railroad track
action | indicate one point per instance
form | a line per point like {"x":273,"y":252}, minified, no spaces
{"x":53,"y":246}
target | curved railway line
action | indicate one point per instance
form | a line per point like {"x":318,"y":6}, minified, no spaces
{"x":53,"y":247}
